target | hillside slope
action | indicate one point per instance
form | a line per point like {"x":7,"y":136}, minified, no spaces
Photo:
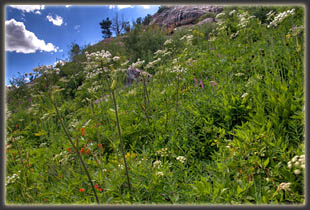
{"x":221,"y":120}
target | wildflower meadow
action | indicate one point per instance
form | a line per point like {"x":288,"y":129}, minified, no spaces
{"x":216,"y":117}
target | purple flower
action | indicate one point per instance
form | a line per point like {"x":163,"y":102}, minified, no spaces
{"x":206,"y":78}
{"x":196,"y":82}
{"x":214,"y":83}
{"x":201,"y":84}
{"x":219,"y":55}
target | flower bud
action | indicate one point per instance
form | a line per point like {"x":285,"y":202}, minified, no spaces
{"x":113,"y":85}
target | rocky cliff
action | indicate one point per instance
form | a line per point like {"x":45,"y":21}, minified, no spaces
{"x":176,"y":16}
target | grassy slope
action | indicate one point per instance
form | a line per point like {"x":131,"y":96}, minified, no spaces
{"x":237,"y":136}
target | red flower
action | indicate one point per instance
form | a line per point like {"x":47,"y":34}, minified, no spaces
{"x":82,"y":150}
{"x":82,"y":131}
{"x":100,"y":189}
{"x":96,"y":186}
{"x":82,"y":190}
{"x":69,"y":149}
{"x":87,"y":151}
{"x":100,"y":145}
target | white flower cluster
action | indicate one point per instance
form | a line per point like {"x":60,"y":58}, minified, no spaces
{"x":167,"y":42}
{"x":284,"y":186}
{"x":234,"y":35}
{"x":244,"y":95}
{"x":159,"y":173}
{"x":188,"y":38}
{"x":298,"y":162}
{"x":115,"y":58}
{"x":160,"y":52}
{"x":99,"y":55}
{"x":94,"y":73}
{"x":166,"y":54}
{"x":162,"y":152}
{"x":13,"y":178}
{"x":220,"y":15}
{"x":259,"y":76}
{"x":244,"y":19}
{"x":18,"y":138}
{"x":270,"y":14}
{"x":280,"y":17}
{"x":157,"y":164}
{"x":62,"y":157}
{"x":125,"y":63}
{"x":142,"y":160}
{"x":60,"y":62}
{"x":178,"y":69}
{"x":239,"y":74}
{"x":175,"y":61}
{"x":151,"y":64}
{"x":221,"y":26}
{"x":182,"y":159}
{"x":232,"y":12}
{"x":132,"y":92}
{"x":46,"y":70}
{"x":138,"y":64}
{"x":93,"y":65}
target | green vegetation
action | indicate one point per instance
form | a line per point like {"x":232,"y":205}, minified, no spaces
{"x":221,"y":121}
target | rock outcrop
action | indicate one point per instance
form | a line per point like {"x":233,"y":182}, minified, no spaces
{"x":134,"y":74}
{"x":175,"y":16}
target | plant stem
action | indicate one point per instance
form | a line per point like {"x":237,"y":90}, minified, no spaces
{"x":167,"y":113}
{"x":76,"y":149}
{"x":146,"y":94}
{"x":147,"y":117}
{"x":146,"y":102}
{"x":120,"y":139}
{"x":177,"y":99}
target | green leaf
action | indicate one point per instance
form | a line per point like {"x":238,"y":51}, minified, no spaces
{"x":266,"y":162}
{"x":40,"y":133}
{"x":239,"y":190}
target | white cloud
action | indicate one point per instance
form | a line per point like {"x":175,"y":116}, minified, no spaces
{"x":28,"y":8}
{"x":68,"y":6}
{"x":130,"y":6}
{"x":56,"y":21}
{"x":145,"y":6}
{"x":26,"y":79}
{"x":77,"y":27}
{"x":20,"y":40}
{"x":120,"y":6}
{"x":38,"y":12}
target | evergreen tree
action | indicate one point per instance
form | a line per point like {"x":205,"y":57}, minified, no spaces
{"x":75,"y":50}
{"x":147,"y":19}
{"x":105,"y":26}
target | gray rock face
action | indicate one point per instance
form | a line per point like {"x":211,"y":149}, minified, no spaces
{"x":182,"y":15}
{"x":207,"y":20}
{"x":134,"y":74}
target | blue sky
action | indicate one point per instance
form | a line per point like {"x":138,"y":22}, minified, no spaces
{"x":39,"y":34}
